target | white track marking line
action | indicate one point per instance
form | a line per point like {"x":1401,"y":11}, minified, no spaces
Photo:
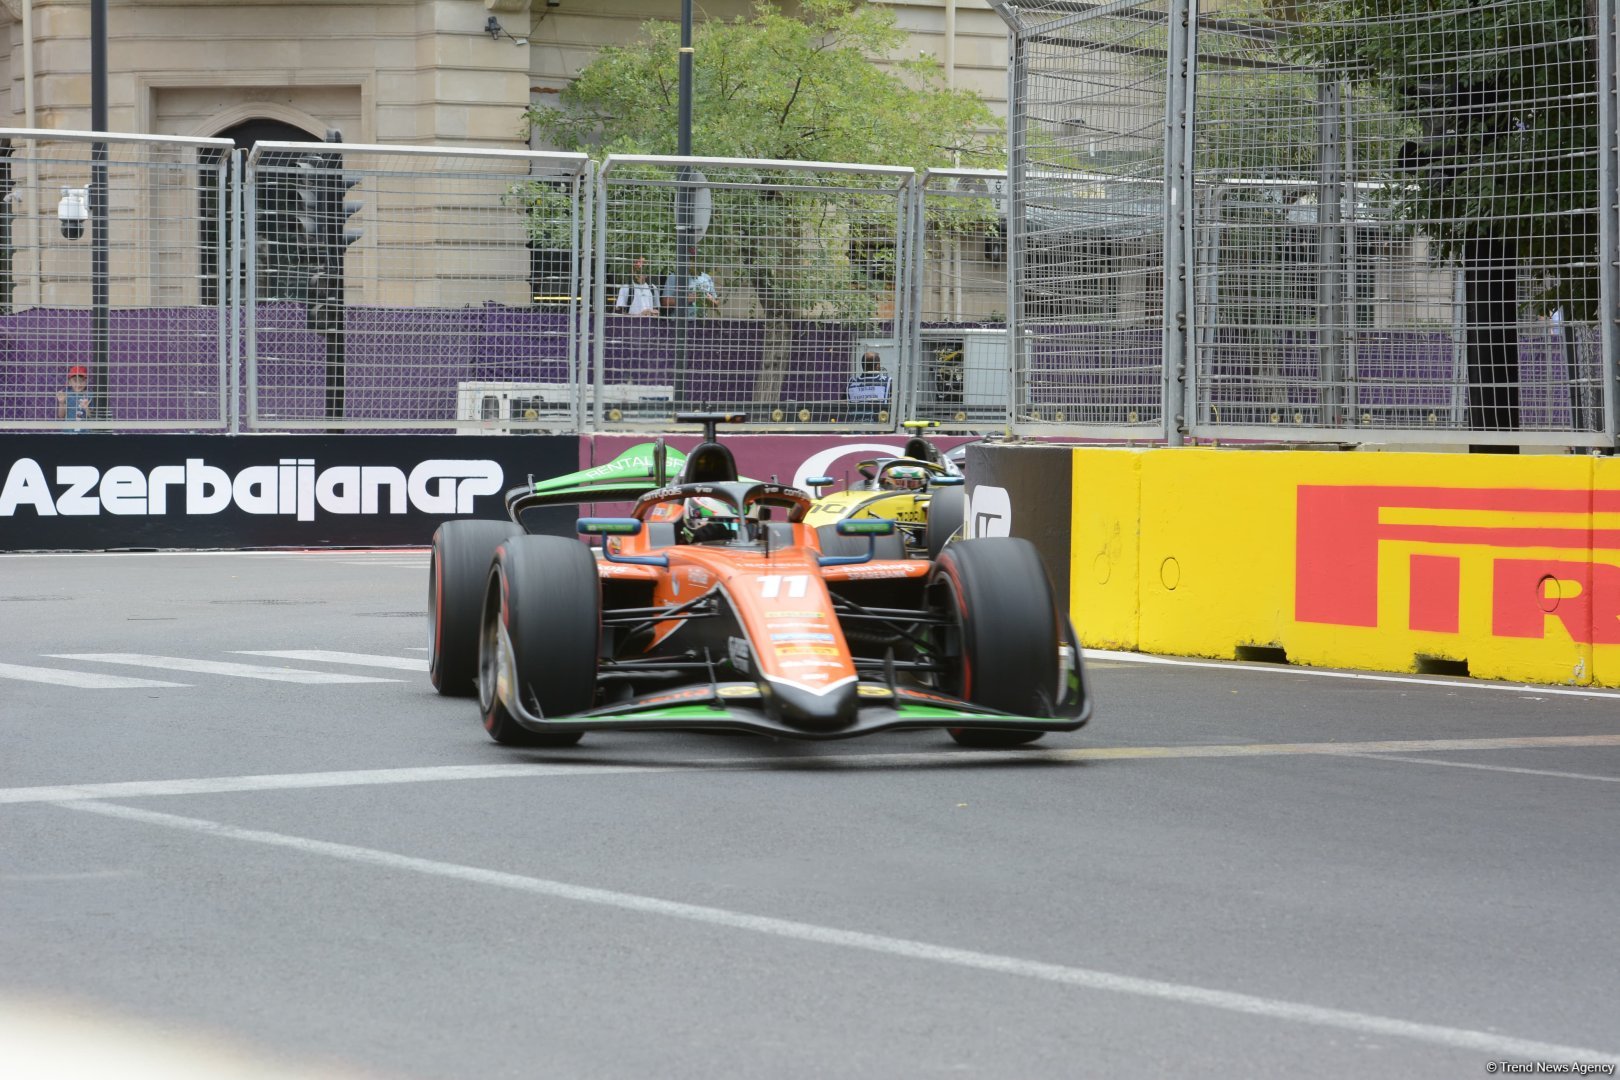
{"x":949,"y":758}
{"x":1322,"y":673}
{"x":83,"y":680}
{"x":1084,"y":978}
{"x":1491,"y":768}
{"x":221,"y":667}
{"x":230,"y":785}
{"x":328,"y":656}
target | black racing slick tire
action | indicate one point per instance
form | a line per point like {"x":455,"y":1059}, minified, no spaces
{"x":544,"y":597}
{"x":997,"y":593}
{"x":458,"y":571}
{"x":947,"y":510}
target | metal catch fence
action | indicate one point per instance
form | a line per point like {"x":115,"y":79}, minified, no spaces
{"x":1212,"y":228}
{"x":960,"y":371}
{"x":1087,"y":230}
{"x":413,"y":288}
{"x":1396,"y":224}
{"x":108,"y":247}
{"x":758,"y":286}
{"x":1372,"y":224}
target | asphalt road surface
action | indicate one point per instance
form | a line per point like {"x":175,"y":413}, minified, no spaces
{"x":241,"y":836}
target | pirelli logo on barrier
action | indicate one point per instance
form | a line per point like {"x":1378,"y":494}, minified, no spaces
{"x":1548,"y":556}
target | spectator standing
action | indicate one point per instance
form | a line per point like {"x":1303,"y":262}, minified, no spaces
{"x":700,"y":295}
{"x":640,"y":296}
{"x":869,"y":390}
{"x":73,"y":403}
{"x":671,"y":294}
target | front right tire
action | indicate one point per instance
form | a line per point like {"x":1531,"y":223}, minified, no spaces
{"x":544,"y":603}
{"x":997,"y":593}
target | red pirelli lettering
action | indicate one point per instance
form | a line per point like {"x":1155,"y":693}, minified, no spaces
{"x":1336,"y":558}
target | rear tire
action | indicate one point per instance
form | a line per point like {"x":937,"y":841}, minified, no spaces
{"x":947,"y":510}
{"x":1007,"y":624}
{"x":543,"y":591}
{"x":458,"y":571}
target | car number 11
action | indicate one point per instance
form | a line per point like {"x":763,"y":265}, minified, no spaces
{"x":770,"y":585}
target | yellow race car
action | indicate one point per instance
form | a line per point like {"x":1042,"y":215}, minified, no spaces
{"x":919,"y":491}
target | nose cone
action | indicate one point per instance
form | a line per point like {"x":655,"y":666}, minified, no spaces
{"x":800,"y":707}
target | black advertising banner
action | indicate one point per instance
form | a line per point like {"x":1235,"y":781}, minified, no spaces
{"x":1024,"y":489}
{"x":99,"y":492}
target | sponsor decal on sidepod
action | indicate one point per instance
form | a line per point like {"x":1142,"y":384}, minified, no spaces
{"x":291,"y":487}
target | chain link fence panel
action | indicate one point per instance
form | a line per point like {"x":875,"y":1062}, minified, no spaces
{"x":107,"y":244}
{"x":1087,"y":169}
{"x":413,"y":288}
{"x":960,"y":369}
{"x":751,"y":286}
{"x":1396,"y":231}
{"x":1315,"y":221}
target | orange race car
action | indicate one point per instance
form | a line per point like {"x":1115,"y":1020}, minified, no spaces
{"x":713,"y":605}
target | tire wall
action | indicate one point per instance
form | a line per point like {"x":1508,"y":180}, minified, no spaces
{"x":1507,"y":567}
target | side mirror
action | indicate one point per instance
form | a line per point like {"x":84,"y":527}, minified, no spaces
{"x":618,"y":526}
{"x":871,"y":528}
{"x":819,"y":482}
{"x":945,"y":480}
{"x":865,"y":527}
{"x":608,"y":526}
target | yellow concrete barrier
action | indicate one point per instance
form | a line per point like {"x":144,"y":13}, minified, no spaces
{"x":1390,"y":561}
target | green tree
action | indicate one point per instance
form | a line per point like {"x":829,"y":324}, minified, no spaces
{"x":804,"y":88}
{"x":778,"y":87}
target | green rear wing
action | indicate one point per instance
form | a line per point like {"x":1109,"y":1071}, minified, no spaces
{"x":642,"y":468}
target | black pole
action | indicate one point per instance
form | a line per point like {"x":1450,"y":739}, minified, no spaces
{"x":683,"y":205}
{"x":98,"y":210}
{"x":6,"y":187}
{"x":683,"y":137}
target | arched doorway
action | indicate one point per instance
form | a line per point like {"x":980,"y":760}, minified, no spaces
{"x":245,"y":135}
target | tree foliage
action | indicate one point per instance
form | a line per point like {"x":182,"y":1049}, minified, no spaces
{"x":775,"y":87}
{"x":1498,"y":110}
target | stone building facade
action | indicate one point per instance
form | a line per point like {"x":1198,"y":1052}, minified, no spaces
{"x":425,"y":72}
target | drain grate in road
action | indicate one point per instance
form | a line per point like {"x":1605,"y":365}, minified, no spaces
{"x":393,"y":614}
{"x":31,"y":599}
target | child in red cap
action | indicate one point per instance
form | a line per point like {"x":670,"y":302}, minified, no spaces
{"x":74,"y":402}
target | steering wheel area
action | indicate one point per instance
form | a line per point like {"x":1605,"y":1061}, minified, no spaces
{"x":742,"y":496}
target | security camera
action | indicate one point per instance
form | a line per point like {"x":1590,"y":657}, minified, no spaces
{"x":72,"y":211}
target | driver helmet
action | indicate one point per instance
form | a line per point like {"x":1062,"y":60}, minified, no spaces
{"x":905,"y":478}
{"x":709,"y":519}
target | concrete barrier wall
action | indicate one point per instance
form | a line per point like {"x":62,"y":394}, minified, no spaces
{"x":1388,"y":561}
